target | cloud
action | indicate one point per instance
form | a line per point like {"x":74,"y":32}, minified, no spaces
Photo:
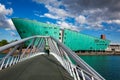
{"x":54,"y":3}
{"x":7,"y":29}
{"x":9,"y":3}
{"x":11,"y":25}
{"x":80,"y":19}
{"x":63,"y":14}
{"x":94,"y":10}
{"x":38,"y":15}
{"x":66,"y":25}
{"x":54,"y":10}
{"x":4,"y":11}
{"x":12,"y":34}
{"x":113,"y":21}
{"x":4,"y":21}
{"x":89,"y":12}
{"x":118,"y":30}
{"x":51,"y":16}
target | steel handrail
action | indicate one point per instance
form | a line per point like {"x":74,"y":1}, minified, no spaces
{"x":79,"y":61}
{"x":81,"y":68}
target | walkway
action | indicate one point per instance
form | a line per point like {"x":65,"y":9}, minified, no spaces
{"x":41,"y":67}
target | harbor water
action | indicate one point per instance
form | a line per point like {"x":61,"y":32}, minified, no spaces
{"x":107,"y":66}
{"x":1,"y":56}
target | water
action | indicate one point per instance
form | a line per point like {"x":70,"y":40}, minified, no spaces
{"x":107,"y":66}
{"x":2,"y":55}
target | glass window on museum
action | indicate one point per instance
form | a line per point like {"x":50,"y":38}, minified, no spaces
{"x":55,"y":28}
{"x":60,"y":34}
{"x":46,"y":32}
{"x":59,"y":37}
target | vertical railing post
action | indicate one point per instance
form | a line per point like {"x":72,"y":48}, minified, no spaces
{"x":7,"y":62}
{"x":3,"y":61}
{"x":83,"y":76}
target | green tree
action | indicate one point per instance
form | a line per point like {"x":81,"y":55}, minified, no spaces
{"x":3,"y":42}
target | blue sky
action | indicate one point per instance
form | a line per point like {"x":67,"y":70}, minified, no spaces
{"x":89,"y":17}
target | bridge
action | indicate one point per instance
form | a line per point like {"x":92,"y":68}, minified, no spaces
{"x":27,"y":59}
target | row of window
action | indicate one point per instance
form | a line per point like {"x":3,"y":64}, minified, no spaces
{"x":46,"y":32}
{"x":50,"y":27}
{"x":101,"y":44}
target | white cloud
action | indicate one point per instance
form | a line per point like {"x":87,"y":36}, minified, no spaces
{"x":11,"y":25}
{"x":58,"y":12}
{"x":54,"y":3}
{"x":4,"y":11}
{"x":38,"y":15}
{"x":51,"y":16}
{"x":81,"y":19}
{"x":117,"y":21}
{"x":4,"y":21}
{"x":12,"y":34}
{"x":9,"y":3}
{"x":62,"y":14}
{"x":92,"y":15}
{"x":95,"y":25}
{"x":7,"y":29}
{"x":54,"y":10}
{"x":65,"y":25}
{"x":118,"y":30}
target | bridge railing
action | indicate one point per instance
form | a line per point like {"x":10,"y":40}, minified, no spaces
{"x":21,"y":50}
{"x":33,"y":46}
{"x":78,"y":68}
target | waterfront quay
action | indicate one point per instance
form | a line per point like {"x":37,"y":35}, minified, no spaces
{"x":98,"y":53}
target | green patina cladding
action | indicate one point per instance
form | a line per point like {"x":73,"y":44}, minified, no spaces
{"x":72,"y":39}
{"x":77,"y":41}
{"x":27,"y":28}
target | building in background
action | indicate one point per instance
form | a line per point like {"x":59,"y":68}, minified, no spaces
{"x":72,"y":39}
{"x":114,"y":47}
{"x":103,"y":36}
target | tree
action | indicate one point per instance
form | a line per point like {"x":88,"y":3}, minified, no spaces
{"x":3,"y":42}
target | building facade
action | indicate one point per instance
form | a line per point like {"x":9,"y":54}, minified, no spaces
{"x":72,"y":39}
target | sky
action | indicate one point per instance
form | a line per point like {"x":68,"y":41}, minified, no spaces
{"x":91,"y":17}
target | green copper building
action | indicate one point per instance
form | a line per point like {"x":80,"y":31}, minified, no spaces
{"x":72,"y":39}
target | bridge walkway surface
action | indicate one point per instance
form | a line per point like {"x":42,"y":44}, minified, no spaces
{"x":42,"y":67}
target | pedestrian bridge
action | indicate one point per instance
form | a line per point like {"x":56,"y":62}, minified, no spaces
{"x":26,"y":60}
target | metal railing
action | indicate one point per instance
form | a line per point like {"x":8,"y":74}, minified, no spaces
{"x":33,"y":46}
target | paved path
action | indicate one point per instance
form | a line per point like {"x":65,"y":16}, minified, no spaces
{"x":41,"y":67}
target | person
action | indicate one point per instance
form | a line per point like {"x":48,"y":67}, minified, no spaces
{"x":47,"y":49}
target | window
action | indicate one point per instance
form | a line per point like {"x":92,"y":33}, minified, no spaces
{"x":59,"y":37}
{"x":55,"y":28}
{"x":59,"y":33}
{"x":46,"y":32}
{"x":96,"y":40}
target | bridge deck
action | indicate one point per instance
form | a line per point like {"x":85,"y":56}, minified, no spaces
{"x":41,"y":67}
